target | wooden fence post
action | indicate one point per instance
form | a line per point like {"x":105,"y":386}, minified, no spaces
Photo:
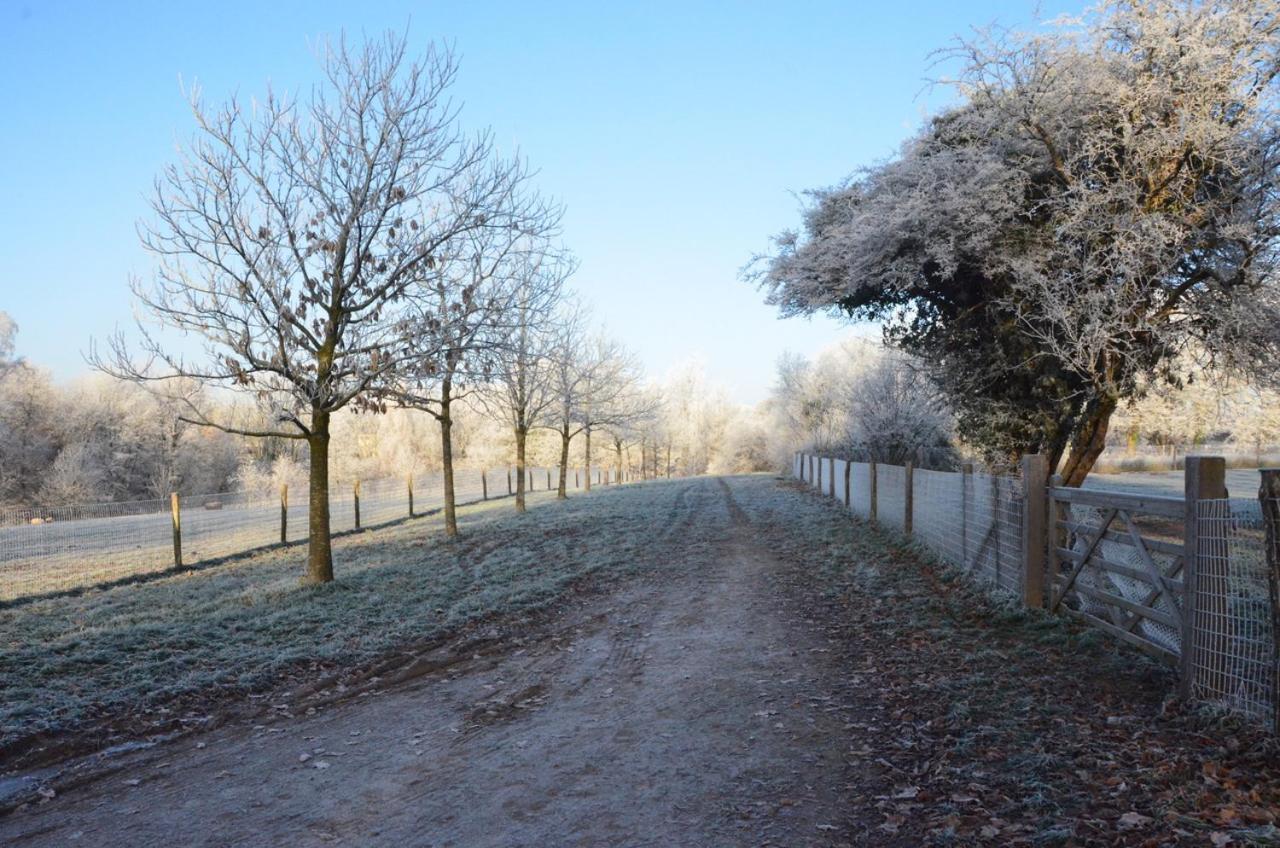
{"x":908,"y":497}
{"x":1058,"y":512}
{"x":577,"y":483}
{"x":875,"y":507}
{"x":548,"y":479}
{"x":831,"y":484}
{"x":848,"y":469}
{"x":284,"y":513}
{"x":408,"y":481}
{"x":1035,"y":540}
{"x":509,"y":481}
{"x":355,"y":500}
{"x":1269,"y":500}
{"x":484,"y":485}
{"x":1204,"y":479}
{"x":175,"y":511}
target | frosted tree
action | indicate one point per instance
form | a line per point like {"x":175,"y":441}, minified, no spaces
{"x":592,"y":375}
{"x":1099,"y":202}
{"x":522,"y":394}
{"x":894,"y":410}
{"x":8,"y":343}
{"x":468,"y":304}
{"x":289,"y":234}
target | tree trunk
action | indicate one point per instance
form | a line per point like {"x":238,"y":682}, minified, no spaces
{"x":617,"y":447}
{"x":668,"y":460}
{"x":586,"y":458}
{"x":320,"y":549}
{"x":1088,"y":441}
{"x":521,"y":433}
{"x":446,"y":457}
{"x":563,"y":485}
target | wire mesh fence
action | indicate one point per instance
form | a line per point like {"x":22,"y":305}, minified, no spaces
{"x":891,"y":496}
{"x":55,"y":549}
{"x":973,"y":522}
{"x":1235,"y":658}
{"x":1116,"y":560}
{"x":860,"y":489}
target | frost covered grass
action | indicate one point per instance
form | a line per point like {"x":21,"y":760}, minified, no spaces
{"x":73,"y":661}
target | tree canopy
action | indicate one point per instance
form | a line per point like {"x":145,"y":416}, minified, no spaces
{"x":1099,"y":204}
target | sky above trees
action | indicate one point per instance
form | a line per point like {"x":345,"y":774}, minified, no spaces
{"x":675,"y":137}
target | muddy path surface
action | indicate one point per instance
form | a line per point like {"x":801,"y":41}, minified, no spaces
{"x":691,"y":704}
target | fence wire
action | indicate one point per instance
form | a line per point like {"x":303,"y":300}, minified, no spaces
{"x":1235,"y":657}
{"x":860,"y":489}
{"x":46,"y":550}
{"x":975,"y":521}
{"x":891,"y":496}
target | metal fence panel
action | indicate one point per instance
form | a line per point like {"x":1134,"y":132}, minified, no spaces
{"x":860,"y":489}
{"x":1234,"y":658}
{"x":891,"y":496}
{"x":938,"y":520}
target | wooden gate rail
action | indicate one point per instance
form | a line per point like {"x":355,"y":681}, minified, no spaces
{"x":1124,"y":616}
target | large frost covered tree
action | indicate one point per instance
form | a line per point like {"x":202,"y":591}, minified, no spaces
{"x":1099,"y":204}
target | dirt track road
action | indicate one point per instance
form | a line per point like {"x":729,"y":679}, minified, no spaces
{"x":689,"y":706}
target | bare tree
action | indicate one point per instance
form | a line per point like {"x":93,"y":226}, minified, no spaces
{"x":289,"y":234}
{"x":590,"y":375}
{"x":522,"y":392}
{"x":468,"y":303}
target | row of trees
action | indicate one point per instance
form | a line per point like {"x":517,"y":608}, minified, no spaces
{"x":1095,"y":218}
{"x":359,"y":251}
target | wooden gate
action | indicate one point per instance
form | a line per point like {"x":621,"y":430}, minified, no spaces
{"x":1117,"y":561}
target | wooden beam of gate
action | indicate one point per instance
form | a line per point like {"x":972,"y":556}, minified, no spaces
{"x":1153,"y":569}
{"x":1061,"y":592}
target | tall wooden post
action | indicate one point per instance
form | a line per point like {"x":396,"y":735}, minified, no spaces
{"x":577,"y":483}
{"x":908,"y":497}
{"x":355,"y":500}
{"x":548,"y":479}
{"x":175,"y":511}
{"x":1204,"y":611}
{"x":284,"y":513}
{"x":848,"y":469}
{"x":874,"y":505}
{"x":831,"y":472}
{"x":509,"y":481}
{"x":408,"y":482}
{"x":1035,"y":538}
{"x":1269,"y":500}
{"x":484,"y":486}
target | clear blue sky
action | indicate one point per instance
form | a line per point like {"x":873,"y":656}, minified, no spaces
{"x":675,"y":133}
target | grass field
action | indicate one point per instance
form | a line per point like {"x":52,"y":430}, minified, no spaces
{"x":140,"y":647}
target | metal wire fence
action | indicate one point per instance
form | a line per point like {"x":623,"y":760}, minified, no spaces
{"x":973,"y":522}
{"x":1121,"y":570}
{"x":54,"y":549}
{"x":1235,"y":658}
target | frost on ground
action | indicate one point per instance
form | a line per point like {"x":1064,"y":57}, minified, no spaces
{"x":745,"y":665}
{"x":150,"y":654}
